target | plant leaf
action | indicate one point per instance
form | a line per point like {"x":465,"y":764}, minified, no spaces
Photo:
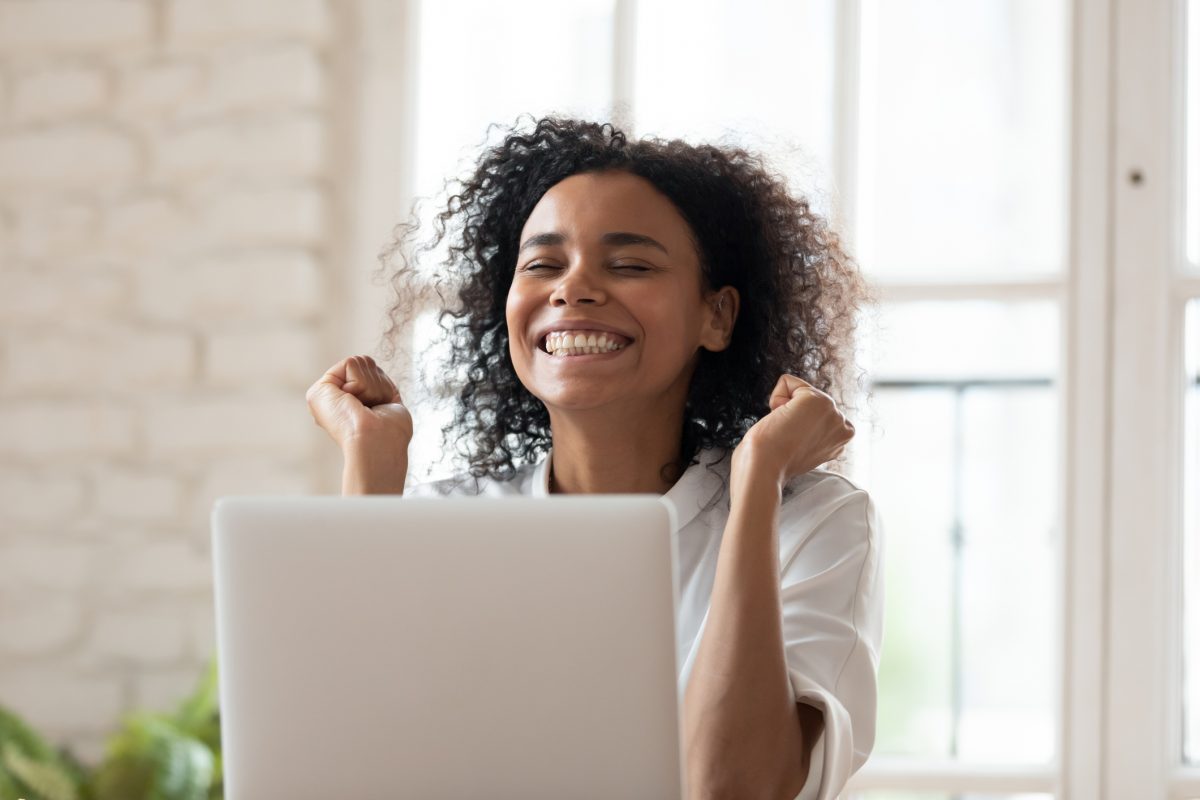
{"x":152,"y":759}
{"x":9,"y":790}
{"x":47,"y":778}
{"x":13,"y":729}
{"x":198,"y":711}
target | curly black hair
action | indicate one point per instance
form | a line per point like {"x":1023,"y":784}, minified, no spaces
{"x":799,"y":290}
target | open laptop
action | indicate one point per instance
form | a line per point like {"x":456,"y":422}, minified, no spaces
{"x":387,"y":647}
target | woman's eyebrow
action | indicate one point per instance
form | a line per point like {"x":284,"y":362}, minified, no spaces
{"x":614,"y":238}
{"x":537,"y":240}
{"x":624,"y":237}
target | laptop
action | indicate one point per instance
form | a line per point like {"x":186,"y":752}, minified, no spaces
{"x":388,"y":647}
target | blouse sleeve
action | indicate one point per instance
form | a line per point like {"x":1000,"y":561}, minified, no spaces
{"x":832,"y":603}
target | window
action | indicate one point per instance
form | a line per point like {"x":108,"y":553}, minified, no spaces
{"x":1032,"y":434}
{"x":553,"y":57}
{"x":963,"y":456}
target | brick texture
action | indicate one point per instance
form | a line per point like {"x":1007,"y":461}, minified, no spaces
{"x":40,"y":27}
{"x":166,"y":260}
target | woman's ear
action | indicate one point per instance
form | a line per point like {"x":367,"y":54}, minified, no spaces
{"x":722,"y":314}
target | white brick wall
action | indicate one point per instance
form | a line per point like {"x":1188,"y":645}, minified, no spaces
{"x":166,"y":262}
{"x":60,"y":698}
{"x":273,"y":146}
{"x":37,"y":562}
{"x":151,"y":635}
{"x":156,"y":89}
{"x":59,"y":93}
{"x":77,"y":156}
{"x":214,"y":21}
{"x":105,"y":360}
{"x":69,"y":27}
{"x":40,"y":624}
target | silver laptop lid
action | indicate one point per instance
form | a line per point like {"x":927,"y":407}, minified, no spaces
{"x":447,"y":648}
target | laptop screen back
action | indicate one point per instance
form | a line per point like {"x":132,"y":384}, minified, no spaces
{"x":447,"y":648}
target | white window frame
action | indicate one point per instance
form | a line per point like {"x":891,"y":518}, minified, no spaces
{"x":1142,"y":689}
{"x":1121,"y":299}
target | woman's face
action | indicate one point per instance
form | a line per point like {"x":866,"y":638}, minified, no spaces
{"x":607,"y":301}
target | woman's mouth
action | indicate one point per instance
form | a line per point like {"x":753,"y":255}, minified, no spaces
{"x":580,"y":343}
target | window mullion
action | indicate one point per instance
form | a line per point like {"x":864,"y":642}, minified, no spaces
{"x":845,"y":117}
{"x":624,"y":60}
{"x":1050,"y":288}
{"x":950,"y":777}
{"x":1085,"y":406}
{"x":1139,"y":554}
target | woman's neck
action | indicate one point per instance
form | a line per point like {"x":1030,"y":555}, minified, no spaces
{"x":597,"y":453}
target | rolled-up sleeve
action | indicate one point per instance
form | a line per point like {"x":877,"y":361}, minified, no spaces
{"x":831,"y":593}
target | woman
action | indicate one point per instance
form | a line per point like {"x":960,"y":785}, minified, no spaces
{"x":653,"y":316}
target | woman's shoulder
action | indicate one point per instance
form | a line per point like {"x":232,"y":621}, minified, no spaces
{"x":821,"y":482}
{"x":824,"y":499}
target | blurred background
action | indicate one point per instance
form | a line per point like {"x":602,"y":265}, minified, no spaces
{"x":193,"y":196}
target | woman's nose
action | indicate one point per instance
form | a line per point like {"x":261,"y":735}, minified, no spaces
{"x":577,"y":287}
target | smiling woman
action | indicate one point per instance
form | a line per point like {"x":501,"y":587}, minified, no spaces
{"x":740,"y":226}
{"x":658,"y":317}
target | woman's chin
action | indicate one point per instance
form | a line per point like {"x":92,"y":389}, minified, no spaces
{"x":577,"y":398}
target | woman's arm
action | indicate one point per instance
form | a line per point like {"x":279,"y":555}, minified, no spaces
{"x":372,"y":470}
{"x":744,"y":736}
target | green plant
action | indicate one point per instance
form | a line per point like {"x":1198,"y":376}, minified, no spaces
{"x":31,"y":768}
{"x":173,"y":756}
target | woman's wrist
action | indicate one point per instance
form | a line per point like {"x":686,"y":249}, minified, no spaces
{"x":372,"y":468}
{"x":751,"y":467}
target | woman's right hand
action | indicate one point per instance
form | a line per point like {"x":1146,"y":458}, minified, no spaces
{"x":356,"y":402}
{"x":360,"y":408}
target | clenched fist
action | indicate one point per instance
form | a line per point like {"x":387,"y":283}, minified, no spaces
{"x":803,"y":429}
{"x":360,"y":408}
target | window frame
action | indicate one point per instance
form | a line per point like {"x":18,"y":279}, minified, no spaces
{"x":1143,"y":731}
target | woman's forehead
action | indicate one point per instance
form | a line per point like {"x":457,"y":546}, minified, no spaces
{"x":594,"y":204}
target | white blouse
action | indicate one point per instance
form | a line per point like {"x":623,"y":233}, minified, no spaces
{"x":831,"y":591}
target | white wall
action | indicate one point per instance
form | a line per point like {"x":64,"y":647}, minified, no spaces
{"x":170,"y":275}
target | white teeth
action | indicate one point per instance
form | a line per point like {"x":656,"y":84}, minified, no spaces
{"x":561,"y":343}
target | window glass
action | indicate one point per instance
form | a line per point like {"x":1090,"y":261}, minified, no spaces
{"x":962,"y":133}
{"x":960,"y":450}
{"x":961,"y":339}
{"x":759,"y":72}
{"x":567,"y":68}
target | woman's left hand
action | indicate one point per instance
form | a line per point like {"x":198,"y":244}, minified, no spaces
{"x":803,"y":430}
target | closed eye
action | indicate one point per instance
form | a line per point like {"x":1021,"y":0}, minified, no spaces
{"x":537,"y":266}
